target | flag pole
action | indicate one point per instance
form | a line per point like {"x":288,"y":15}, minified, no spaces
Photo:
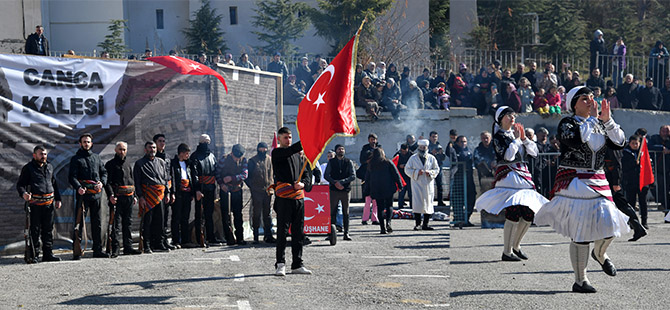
{"x":304,"y":165}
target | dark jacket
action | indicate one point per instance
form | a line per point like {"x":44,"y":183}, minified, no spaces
{"x":303,"y":73}
{"x":260,"y":173}
{"x":390,"y":94}
{"x":204,"y":162}
{"x":175,"y":171}
{"x":86,"y":165}
{"x":340,"y":170}
{"x":626,"y":94}
{"x":436,"y":150}
{"x":149,"y":171}
{"x":594,"y":82}
{"x":402,"y":160}
{"x":365,"y":95}
{"x":613,"y":166}
{"x":38,"y":180}
{"x":650,"y":98}
{"x":119,"y":173}
{"x":237,"y":170}
{"x":279,"y":67}
{"x":483,"y":158}
{"x":32,"y":45}
{"x":383,"y":181}
{"x":287,"y":163}
{"x":631,"y":168}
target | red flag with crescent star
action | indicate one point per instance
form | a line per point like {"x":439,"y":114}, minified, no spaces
{"x":187,"y":66}
{"x":328,"y":110}
{"x":646,"y":174}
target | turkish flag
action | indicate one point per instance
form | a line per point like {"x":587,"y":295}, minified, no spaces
{"x":187,"y":66}
{"x":646,"y":174}
{"x":328,"y":108}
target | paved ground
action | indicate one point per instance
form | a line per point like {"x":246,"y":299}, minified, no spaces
{"x":445,"y":268}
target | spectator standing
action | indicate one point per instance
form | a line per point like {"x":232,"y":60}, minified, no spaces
{"x":382,"y":180}
{"x":364,"y":158}
{"x":650,"y":97}
{"x":440,"y":78}
{"x":627,"y":93}
{"x":660,"y":143}
{"x":303,"y":73}
{"x":244,"y":62}
{"x":404,"y":155}
{"x":595,"y":80}
{"x":339,"y":174}
{"x":37,"y":43}
{"x":423,"y":168}
{"x":658,"y":60}
{"x":424,"y":77}
{"x":526,"y":95}
{"x":484,"y":158}
{"x":437,"y":151}
{"x":665,"y":92}
{"x":519,"y":72}
{"x":278,"y":66}
{"x":531,"y":74}
{"x":619,"y":61}
{"x":597,"y":47}
{"x":461,"y":153}
{"x":630,"y":162}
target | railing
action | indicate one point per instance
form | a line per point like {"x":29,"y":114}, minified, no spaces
{"x":640,"y":67}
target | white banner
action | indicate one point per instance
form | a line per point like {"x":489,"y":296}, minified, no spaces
{"x":60,"y":91}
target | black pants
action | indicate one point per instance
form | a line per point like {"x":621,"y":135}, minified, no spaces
{"x":633,"y":194}
{"x":207,"y":205}
{"x":260,"y":201}
{"x":407,"y":190}
{"x":291,"y":213}
{"x":166,"y":219}
{"x":335,"y":198}
{"x":122,"y":222}
{"x":385,"y":205}
{"x":438,"y":182}
{"x":232,"y":201}
{"x":92,"y":207}
{"x":152,"y":229}
{"x":41,"y":225}
{"x":181,"y":210}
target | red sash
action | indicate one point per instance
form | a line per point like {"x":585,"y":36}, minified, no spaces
{"x":42,"y":200}
{"x":286,"y":190}
{"x":125,"y":190}
{"x":185,"y":185}
{"x":595,"y":180}
{"x":207,"y":179}
{"x":89,"y":185}
{"x":520,"y":168}
{"x":153,"y":194}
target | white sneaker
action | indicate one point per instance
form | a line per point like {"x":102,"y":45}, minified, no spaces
{"x":301,"y":270}
{"x":281,"y":270}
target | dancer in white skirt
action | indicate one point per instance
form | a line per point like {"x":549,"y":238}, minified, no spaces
{"x":514,"y":190}
{"x":581,"y":207}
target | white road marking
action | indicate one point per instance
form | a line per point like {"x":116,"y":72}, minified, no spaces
{"x":215,"y":261}
{"x":395,"y":257}
{"x":417,"y":276}
{"x":546,"y":245}
{"x":239,"y":277}
{"x":234,"y":258}
{"x":437,"y":305}
{"x":243,"y":305}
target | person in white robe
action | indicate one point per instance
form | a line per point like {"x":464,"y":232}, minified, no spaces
{"x":423,"y":168}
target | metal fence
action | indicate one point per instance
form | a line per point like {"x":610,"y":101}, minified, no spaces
{"x":641,"y":67}
{"x":545,"y":166}
{"x":458,"y":194}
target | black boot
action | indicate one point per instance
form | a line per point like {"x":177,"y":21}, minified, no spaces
{"x":426,"y":218}
{"x":638,"y":229}
{"x":382,"y":226}
{"x":417,"y":221}
{"x":49,"y":257}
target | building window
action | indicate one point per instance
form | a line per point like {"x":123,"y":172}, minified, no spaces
{"x":159,"y":19}
{"x":233,"y":15}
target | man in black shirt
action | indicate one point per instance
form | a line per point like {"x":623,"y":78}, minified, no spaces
{"x":403,"y":156}
{"x":38,"y":187}
{"x":650,"y":97}
{"x":87,"y":176}
{"x":120,"y":189}
{"x":436,"y":150}
{"x":160,"y":141}
{"x":289,"y":187}
{"x":339,"y":174}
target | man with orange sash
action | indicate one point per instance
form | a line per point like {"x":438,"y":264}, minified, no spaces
{"x":205,"y":164}
{"x":37,"y":186}
{"x":289,"y":187}
{"x":151,"y":181}
{"x":120,"y":189}
{"x":87,"y":176}
{"x":185,"y":187}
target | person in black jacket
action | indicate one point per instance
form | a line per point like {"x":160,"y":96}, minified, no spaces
{"x":87,"y":176}
{"x":160,"y":141}
{"x":364,"y":157}
{"x":650,"y":97}
{"x":37,"y":43}
{"x":120,"y":189}
{"x":626,"y":93}
{"x":38,"y":187}
{"x":185,"y":187}
{"x":631,"y":180}
{"x":382,"y":180}
{"x":403,"y":156}
{"x":205,"y":164}
{"x":461,"y":153}
{"x":598,"y":48}
{"x":435,"y":149}
{"x":595,"y":80}
{"x":339,"y":174}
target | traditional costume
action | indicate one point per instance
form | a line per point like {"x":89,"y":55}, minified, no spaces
{"x":581,"y":207}
{"x":423,"y":185}
{"x":514,"y":190}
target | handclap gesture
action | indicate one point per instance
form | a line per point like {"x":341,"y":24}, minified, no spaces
{"x":519,"y":131}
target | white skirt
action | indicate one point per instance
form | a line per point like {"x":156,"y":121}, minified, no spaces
{"x":583,"y":215}
{"x":513,"y":190}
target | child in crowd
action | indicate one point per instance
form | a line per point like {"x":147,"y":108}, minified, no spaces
{"x":443,"y":98}
{"x":527,"y":95}
{"x":631,"y":177}
{"x":610,"y":95}
{"x":554,"y":100}
{"x":541,"y":103}
{"x":598,"y":96}
{"x":561,"y":92}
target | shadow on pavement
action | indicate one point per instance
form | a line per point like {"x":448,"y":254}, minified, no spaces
{"x":570,"y":271}
{"x":427,"y":246}
{"x":473,"y":262}
{"x":105,"y":299}
{"x":507,"y":292}
{"x":151,"y":283}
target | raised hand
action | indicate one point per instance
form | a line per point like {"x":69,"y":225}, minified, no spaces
{"x":606,"y":113}
{"x":517,"y":131}
{"x":522,"y":131}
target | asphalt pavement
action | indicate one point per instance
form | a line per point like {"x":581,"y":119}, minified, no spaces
{"x":443,"y":268}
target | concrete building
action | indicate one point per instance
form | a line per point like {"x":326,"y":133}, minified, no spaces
{"x":19,"y":19}
{"x":157,"y":24}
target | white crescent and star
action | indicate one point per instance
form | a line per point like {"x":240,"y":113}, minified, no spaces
{"x":319,"y":209}
{"x":319,"y":100}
